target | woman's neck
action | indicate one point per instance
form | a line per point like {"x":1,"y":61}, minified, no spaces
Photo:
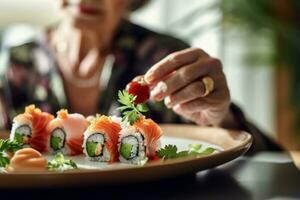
{"x":76,"y":51}
{"x":80,"y":42}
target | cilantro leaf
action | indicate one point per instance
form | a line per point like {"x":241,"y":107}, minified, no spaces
{"x":170,"y":151}
{"x":182,"y":154}
{"x":59,"y":163}
{"x":130,"y":111}
{"x":125,"y":98}
{"x":9,"y":146}
{"x":207,"y":151}
{"x":121,"y":108}
{"x":142,"y":108}
{"x":194,"y":147}
{"x":4,"y":161}
{"x":132,"y":117}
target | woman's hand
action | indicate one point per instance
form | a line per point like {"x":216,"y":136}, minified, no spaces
{"x":178,"y":80}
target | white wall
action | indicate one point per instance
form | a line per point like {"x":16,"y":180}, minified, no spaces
{"x":36,"y":12}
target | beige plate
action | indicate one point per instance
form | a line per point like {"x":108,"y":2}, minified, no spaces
{"x":232,"y":144}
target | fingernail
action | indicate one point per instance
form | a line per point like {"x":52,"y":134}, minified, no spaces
{"x":168,"y":102}
{"x":149,"y":77}
{"x":154,"y":92}
{"x":159,"y":97}
{"x":159,"y":90}
{"x":176,"y":108}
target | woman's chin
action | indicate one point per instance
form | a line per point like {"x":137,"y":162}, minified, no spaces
{"x":85,"y":19}
{"x":87,"y":23}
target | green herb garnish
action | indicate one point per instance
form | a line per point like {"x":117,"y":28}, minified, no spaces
{"x":130,"y":111}
{"x":4,"y":161}
{"x":171,"y":151}
{"x":19,"y":137}
{"x":59,"y":163}
{"x":7,"y":146}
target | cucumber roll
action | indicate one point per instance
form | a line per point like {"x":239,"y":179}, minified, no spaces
{"x":22,"y":133}
{"x":57,"y":139}
{"x":66,"y":133}
{"x":95,"y":147}
{"x":132,"y":146}
{"x":29,"y":128}
{"x":101,"y":140}
{"x":139,"y":142}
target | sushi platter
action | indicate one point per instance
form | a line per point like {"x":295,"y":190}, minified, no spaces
{"x":70,"y":149}
{"x":231,"y":144}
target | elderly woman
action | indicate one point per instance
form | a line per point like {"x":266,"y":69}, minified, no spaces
{"x":94,"y":51}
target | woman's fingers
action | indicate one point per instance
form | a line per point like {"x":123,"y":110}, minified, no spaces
{"x":201,"y":118}
{"x":188,"y":74}
{"x":203,"y":111}
{"x":214,"y":101}
{"x":207,"y":117}
{"x":186,"y":94}
{"x":196,"y":90}
{"x":173,"y":62}
{"x":178,"y":80}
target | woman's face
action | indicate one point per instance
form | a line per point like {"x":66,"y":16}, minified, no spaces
{"x":100,"y":16}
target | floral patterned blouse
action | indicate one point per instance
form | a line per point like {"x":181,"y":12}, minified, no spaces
{"x":29,"y":74}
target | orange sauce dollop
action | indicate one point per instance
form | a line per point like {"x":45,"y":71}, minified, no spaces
{"x":27,"y":160}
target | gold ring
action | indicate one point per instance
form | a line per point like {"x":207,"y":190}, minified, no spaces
{"x":208,"y":83}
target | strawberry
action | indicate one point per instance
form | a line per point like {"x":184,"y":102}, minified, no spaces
{"x":140,"y":90}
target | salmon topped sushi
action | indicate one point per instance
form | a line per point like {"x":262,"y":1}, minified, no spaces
{"x":66,"y":133}
{"x":140,"y":141}
{"x":101,"y":139}
{"x":30,"y":128}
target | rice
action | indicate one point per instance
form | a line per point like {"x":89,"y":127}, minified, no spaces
{"x":21,"y":132}
{"x":94,"y":146}
{"x":57,"y":142}
{"x":131,"y":146}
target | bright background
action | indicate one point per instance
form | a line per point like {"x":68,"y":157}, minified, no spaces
{"x":195,"y":22}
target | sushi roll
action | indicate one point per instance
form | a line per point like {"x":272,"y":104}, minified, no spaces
{"x":90,"y":118}
{"x":101,"y":140}
{"x":140,"y":141}
{"x":29,"y":128}
{"x":66,"y":133}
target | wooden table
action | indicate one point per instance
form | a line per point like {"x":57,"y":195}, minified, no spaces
{"x":265,"y":176}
